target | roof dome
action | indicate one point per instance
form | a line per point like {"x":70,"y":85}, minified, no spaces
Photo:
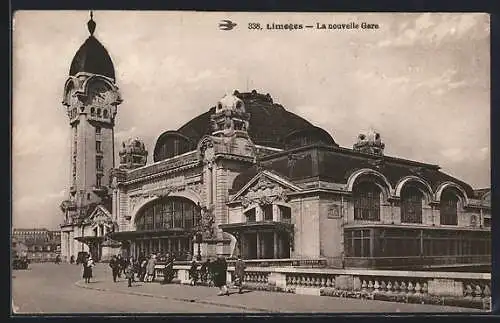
{"x":269,"y":125}
{"x":92,"y":57}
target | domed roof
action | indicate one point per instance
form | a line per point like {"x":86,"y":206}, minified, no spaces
{"x":270,"y":123}
{"x":92,"y":57}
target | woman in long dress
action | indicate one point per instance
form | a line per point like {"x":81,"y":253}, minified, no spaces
{"x":150,"y":268}
{"x":87,"y":269}
{"x":220,"y":270}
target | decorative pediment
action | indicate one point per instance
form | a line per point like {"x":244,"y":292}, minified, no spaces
{"x":265,"y":188}
{"x":100,"y":216}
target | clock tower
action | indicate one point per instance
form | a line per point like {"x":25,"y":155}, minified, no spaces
{"x":91,"y":98}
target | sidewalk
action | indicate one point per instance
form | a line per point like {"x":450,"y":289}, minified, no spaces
{"x":258,"y":301}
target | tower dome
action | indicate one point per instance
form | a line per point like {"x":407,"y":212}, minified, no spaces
{"x":92,"y":57}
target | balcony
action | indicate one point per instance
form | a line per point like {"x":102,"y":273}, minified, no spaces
{"x":99,"y":189}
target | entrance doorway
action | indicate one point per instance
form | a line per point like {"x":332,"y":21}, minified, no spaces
{"x":250,"y":246}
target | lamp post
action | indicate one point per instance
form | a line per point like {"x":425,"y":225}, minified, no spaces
{"x":199,"y":238}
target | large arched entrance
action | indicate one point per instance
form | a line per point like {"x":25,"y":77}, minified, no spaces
{"x":165,"y":225}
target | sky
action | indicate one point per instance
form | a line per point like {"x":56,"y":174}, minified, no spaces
{"x":421,"y":80}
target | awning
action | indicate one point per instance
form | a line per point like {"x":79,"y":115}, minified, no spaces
{"x":90,"y":239}
{"x":257,"y":226}
{"x":132,"y":235}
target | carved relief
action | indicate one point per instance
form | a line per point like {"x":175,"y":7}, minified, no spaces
{"x":207,"y":220}
{"x":207,"y":151}
{"x":264,"y":192}
{"x":334,"y":211}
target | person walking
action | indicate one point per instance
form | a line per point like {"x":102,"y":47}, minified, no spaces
{"x":113,"y":263}
{"x":193,"y":272}
{"x":142,"y":272}
{"x":88,"y":264}
{"x":119,"y":261}
{"x":220,"y":270}
{"x":239,"y":272}
{"x":129,"y":271}
{"x":150,"y":269}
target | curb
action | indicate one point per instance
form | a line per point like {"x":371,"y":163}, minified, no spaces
{"x":187,"y":300}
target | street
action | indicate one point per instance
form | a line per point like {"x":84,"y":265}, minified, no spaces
{"x":57,"y":289}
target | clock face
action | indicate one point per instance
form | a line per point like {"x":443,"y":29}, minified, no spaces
{"x":100,"y":94}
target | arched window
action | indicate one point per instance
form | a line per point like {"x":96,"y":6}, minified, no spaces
{"x":105,"y":113}
{"x":92,"y":112}
{"x":168,"y":213}
{"x":99,"y":112}
{"x":448,"y":208}
{"x":366,"y":197}
{"x":411,"y":205}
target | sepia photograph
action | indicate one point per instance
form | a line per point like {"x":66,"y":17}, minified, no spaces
{"x":174,"y":162}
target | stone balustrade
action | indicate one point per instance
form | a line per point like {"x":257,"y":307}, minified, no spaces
{"x":471,"y":290}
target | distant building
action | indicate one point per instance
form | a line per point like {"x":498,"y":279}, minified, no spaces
{"x":19,"y":249}
{"x":39,"y":245}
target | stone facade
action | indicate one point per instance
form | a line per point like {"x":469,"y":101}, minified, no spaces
{"x":250,"y":178}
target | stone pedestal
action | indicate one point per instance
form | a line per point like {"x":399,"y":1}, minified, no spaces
{"x":445,"y":287}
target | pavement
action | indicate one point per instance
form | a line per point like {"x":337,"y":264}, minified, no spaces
{"x":65,"y":292}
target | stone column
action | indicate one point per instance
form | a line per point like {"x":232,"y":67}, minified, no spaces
{"x":276,"y":213}
{"x":258,"y":246}
{"x":276,"y":246}
{"x":258,"y":214}
{"x":169,"y":243}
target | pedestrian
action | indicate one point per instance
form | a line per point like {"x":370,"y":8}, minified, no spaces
{"x":142,"y":274}
{"x":72,"y":260}
{"x":193,"y":272}
{"x":204,"y":272}
{"x":88,"y":263}
{"x":119,"y":261}
{"x":113,"y":263}
{"x":239,"y":272}
{"x":220,"y":270}
{"x":150,"y":268}
{"x":129,"y":271}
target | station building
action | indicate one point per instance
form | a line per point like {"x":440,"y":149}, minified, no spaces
{"x":250,"y":178}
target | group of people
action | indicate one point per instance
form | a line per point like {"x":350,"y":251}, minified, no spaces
{"x":142,"y":268}
{"x":211,"y":273}
{"x":214,"y":273}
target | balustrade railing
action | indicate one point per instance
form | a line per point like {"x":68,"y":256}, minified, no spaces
{"x":471,"y":290}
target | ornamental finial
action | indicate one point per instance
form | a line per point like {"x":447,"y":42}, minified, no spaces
{"x":91,"y":23}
